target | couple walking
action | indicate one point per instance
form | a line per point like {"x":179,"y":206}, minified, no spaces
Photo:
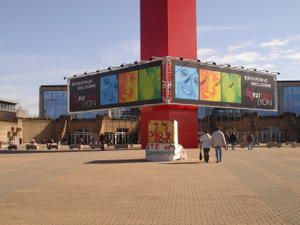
{"x":216,"y":140}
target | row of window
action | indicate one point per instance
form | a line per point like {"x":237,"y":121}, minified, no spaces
{"x":7,"y":107}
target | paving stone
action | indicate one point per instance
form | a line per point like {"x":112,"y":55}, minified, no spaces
{"x":118,"y":187}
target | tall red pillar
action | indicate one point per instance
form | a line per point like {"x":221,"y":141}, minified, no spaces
{"x":168,"y":28}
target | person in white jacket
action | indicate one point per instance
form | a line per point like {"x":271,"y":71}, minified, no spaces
{"x":205,"y":144}
{"x":218,"y":141}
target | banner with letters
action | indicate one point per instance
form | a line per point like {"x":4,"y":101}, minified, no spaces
{"x":170,"y":80}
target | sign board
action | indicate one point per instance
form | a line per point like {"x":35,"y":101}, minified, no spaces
{"x":217,"y":86}
{"x":163,"y":141}
{"x":162,"y":131}
{"x":169,"y":80}
{"x":125,"y":87}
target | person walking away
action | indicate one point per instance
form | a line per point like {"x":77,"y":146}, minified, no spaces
{"x":101,"y":139}
{"x":218,"y":141}
{"x":232,"y":140}
{"x":227,"y":136}
{"x":205,"y":144}
{"x":250,"y":141}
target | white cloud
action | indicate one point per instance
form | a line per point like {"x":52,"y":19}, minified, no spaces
{"x":274,"y":55}
{"x":216,"y":28}
{"x":294,"y":56}
{"x":289,"y":51}
{"x":240,"y":46}
{"x":205,"y":52}
{"x":275,"y":43}
{"x":282,"y":55}
{"x":232,"y":58}
{"x":126,"y":52}
{"x":294,"y":38}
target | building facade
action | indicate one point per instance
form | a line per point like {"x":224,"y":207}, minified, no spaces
{"x":289,"y":97}
{"x":282,"y":125}
{"x":53,"y":104}
{"x":53,"y":101}
{"x":7,"y":110}
{"x":9,"y":126}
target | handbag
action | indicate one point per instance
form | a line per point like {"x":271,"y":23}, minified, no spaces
{"x":200,"y":155}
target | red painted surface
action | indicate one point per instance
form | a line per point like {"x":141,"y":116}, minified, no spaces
{"x":168,"y":28}
{"x":187,"y":118}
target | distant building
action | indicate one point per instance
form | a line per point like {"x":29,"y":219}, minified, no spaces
{"x":7,"y":110}
{"x":53,"y":101}
{"x":289,"y":97}
{"x":53,"y":104}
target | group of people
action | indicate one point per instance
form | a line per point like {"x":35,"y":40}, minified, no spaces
{"x":219,"y":140}
{"x":216,"y":140}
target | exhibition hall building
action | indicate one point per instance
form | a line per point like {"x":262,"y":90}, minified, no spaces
{"x":55,"y":122}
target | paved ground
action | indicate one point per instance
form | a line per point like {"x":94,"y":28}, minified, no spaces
{"x":119,"y":187}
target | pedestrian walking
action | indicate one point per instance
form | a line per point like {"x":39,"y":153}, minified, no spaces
{"x":232,"y":140}
{"x":250,"y":141}
{"x":227,"y":136}
{"x":205,"y":144}
{"x":218,"y":141}
{"x":101,"y":139}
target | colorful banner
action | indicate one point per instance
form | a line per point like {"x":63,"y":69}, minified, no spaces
{"x":128,"y":87}
{"x":223,"y":87}
{"x":210,"y":85}
{"x":150,"y":83}
{"x":173,"y":81}
{"x":186,"y":83}
{"x":109,"y":90}
{"x":131,"y":86}
{"x":162,"y":131}
{"x":231,"y":88}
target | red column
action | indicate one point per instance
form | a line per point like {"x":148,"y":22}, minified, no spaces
{"x":168,"y":28}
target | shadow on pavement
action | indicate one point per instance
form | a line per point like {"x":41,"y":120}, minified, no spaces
{"x":180,"y":163}
{"x":42,"y":151}
{"x":116,"y":161}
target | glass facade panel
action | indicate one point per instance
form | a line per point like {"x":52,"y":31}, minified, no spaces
{"x":55,"y":104}
{"x":291,"y":99}
{"x":88,"y":115}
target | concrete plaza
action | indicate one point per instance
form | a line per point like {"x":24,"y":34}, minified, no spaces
{"x":118,"y":187}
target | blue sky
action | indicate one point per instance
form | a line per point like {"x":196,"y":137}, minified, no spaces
{"x":43,"y":41}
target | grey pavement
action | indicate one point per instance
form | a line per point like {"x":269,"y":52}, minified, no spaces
{"x":119,"y":187}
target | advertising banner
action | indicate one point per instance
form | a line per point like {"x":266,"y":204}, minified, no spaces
{"x":124,"y":87}
{"x":172,"y":81}
{"x":83,"y":93}
{"x":217,"y":86}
